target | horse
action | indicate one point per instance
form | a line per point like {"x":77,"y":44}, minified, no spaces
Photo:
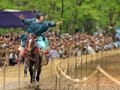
{"x":34,"y":57}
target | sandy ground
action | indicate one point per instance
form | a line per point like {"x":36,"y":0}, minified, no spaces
{"x":14,"y":80}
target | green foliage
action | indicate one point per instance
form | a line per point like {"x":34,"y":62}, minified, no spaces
{"x":10,"y":30}
{"x":85,"y":15}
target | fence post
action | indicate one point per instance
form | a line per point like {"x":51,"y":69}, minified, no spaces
{"x":19,"y":76}
{"x":86,"y":65}
{"x":98,"y":79}
{"x":68,"y":62}
{"x":56,"y":82}
{"x":4,"y":79}
{"x":81,"y":66}
{"x":7,"y":59}
{"x":76,"y":74}
{"x":4,"y":73}
{"x":51,"y":66}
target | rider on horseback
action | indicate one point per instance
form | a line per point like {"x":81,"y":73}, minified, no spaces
{"x":35,"y":28}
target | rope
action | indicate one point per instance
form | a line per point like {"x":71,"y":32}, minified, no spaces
{"x":75,"y":80}
{"x":108,"y":76}
{"x":85,"y":79}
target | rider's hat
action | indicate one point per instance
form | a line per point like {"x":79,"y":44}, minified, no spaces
{"x":39,"y":14}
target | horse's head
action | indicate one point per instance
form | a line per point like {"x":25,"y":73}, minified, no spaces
{"x":31,"y":46}
{"x":31,"y":42}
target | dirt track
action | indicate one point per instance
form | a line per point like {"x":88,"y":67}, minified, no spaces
{"x":47,"y":81}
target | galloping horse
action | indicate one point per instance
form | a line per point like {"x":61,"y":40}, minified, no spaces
{"x":34,"y":63}
{"x":34,"y":57}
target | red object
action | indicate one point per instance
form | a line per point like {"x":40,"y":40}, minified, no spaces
{"x":23,"y":53}
{"x":36,"y":50}
{"x":46,"y":52}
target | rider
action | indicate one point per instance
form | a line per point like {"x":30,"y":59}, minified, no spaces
{"x":37,"y":26}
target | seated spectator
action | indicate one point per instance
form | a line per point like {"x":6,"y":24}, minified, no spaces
{"x":53,"y":53}
{"x":90,"y":50}
{"x":116,"y":44}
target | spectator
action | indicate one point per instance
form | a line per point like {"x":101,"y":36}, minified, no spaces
{"x":12,"y":58}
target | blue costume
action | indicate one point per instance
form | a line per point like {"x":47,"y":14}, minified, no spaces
{"x":37,"y":29}
{"x":23,"y":38}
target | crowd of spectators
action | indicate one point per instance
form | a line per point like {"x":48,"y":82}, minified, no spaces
{"x":80,"y":43}
{"x":64,"y":45}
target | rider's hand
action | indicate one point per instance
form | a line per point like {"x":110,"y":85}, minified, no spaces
{"x":21,"y":16}
{"x":59,"y":23}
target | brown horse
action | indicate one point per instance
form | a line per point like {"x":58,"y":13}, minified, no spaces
{"x":33,"y":59}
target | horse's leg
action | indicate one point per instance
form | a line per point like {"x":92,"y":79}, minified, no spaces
{"x":31,"y":71}
{"x":33,"y":67}
{"x":39,"y":67}
{"x":25,"y":67}
{"x":34,"y":72}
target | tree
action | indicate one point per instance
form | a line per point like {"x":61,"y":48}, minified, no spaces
{"x":82,"y":14}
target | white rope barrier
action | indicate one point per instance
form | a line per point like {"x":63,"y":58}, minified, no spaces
{"x":75,"y":80}
{"x":95,"y":55}
{"x":108,"y":76}
{"x":85,"y":79}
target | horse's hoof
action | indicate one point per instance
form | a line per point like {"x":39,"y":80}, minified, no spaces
{"x":25,"y":75}
{"x":37,"y":88}
{"x":31,"y":85}
{"x":37,"y":83}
